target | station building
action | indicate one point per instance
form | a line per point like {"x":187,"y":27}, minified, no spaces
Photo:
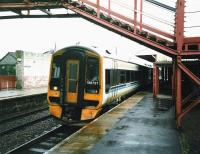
{"x":21,"y":69}
{"x":8,"y":71}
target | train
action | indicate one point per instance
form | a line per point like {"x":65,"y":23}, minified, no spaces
{"x":83,"y":80}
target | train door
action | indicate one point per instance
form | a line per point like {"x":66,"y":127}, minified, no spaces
{"x":72,"y":81}
{"x":114,"y":79}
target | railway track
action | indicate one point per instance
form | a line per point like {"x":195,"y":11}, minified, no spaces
{"x":9,"y":130}
{"x":14,"y":116}
{"x":46,"y":141}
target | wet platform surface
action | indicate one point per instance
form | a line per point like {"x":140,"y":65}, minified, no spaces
{"x":147,"y":127}
{"x":8,"y":94}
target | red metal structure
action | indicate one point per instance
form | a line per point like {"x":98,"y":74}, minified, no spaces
{"x":175,"y":45}
{"x":155,"y":80}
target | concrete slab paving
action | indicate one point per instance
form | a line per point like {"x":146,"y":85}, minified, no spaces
{"x":148,"y":128}
{"x":14,"y":93}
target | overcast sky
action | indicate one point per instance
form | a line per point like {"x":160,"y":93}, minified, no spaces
{"x":40,"y":35}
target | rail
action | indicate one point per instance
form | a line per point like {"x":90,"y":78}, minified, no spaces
{"x":28,"y":144}
{"x":9,"y":130}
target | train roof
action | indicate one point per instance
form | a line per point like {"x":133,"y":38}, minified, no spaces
{"x":111,"y":54}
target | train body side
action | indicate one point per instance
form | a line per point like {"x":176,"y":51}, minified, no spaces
{"x":114,"y":86}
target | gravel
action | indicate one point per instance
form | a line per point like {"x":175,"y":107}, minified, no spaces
{"x":15,"y":139}
{"x":21,"y":121}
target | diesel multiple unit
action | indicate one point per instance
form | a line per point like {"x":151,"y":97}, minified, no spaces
{"x":82,"y":80}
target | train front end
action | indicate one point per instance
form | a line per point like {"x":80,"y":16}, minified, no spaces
{"x":75,"y":91}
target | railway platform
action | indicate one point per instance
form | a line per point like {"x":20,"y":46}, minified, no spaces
{"x":141,"y":124}
{"x":16,"y":93}
{"x":16,"y":101}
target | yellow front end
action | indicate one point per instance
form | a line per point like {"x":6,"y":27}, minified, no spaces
{"x":54,"y":109}
{"x":90,"y":112}
{"x":82,"y":92}
{"x":87,"y":114}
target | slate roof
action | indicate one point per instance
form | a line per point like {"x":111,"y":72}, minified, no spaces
{"x":9,"y":59}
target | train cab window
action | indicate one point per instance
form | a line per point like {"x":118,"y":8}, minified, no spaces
{"x":55,"y":71}
{"x":92,"y":75}
{"x":55,"y":74}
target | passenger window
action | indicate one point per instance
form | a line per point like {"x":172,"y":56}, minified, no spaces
{"x":128,"y":76}
{"x":107,"y":80}
{"x":132,"y":76}
{"x":122,"y":76}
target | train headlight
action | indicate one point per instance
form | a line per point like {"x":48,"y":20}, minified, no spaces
{"x":55,"y":88}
